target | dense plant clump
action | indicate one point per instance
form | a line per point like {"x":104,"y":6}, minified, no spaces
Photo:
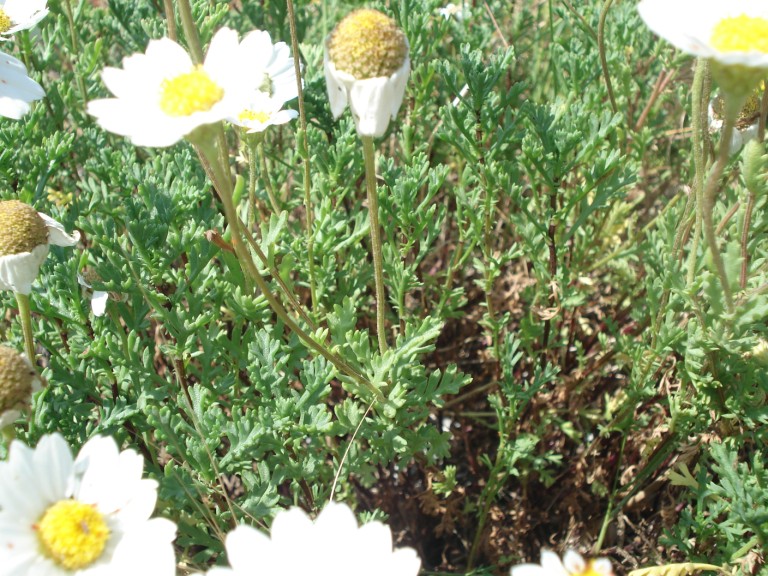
{"x":393,"y":288}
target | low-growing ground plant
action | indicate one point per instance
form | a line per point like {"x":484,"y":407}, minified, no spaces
{"x":490,"y":272}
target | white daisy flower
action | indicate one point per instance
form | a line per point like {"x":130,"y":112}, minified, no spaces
{"x":84,"y":517}
{"x":366,"y":66}
{"x":572,"y":564}
{"x":733,"y":35}
{"x":18,"y":15}
{"x":274,"y":67}
{"x":17,"y":89}
{"x":25,"y":238}
{"x":18,"y":381}
{"x":161,"y":96}
{"x":262,"y":111}
{"x":367,"y":549}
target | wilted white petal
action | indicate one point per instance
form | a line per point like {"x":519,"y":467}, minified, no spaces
{"x":17,"y":89}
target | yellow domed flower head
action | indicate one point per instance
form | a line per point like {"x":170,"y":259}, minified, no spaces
{"x":25,"y":237}
{"x":367,"y":66}
{"x":18,"y":381}
{"x":732,"y":35}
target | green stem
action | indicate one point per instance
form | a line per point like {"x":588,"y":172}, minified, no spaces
{"x":275,"y":273}
{"x":378,"y":267}
{"x":190,"y":31}
{"x":745,"y":239}
{"x":488,"y":239}
{"x":223,"y":185}
{"x":304,"y":152}
{"x":25,"y":315}
{"x":601,"y":50}
{"x":252,"y":170}
{"x":75,"y":49}
{"x":699,"y":163}
{"x":170,"y":20}
{"x":710,"y":191}
{"x":265,"y":176}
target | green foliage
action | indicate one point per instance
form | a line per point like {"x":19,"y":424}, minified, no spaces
{"x":559,"y":332}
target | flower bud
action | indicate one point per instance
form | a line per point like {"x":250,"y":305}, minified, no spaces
{"x":367,"y":67}
{"x":25,"y":235}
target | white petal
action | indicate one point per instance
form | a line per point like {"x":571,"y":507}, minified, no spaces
{"x":337,"y":91}
{"x":405,"y":562}
{"x":17,"y":89}
{"x":528,"y":570}
{"x":399,"y":80}
{"x":371,"y":105}
{"x":56,"y":233}
{"x":147,"y":550}
{"x":24,"y":13}
{"x":247,"y":550}
{"x":18,"y":271}
{"x":54,"y":456}
{"x":99,"y":302}
{"x":552,"y":564}
{"x":573,"y":562}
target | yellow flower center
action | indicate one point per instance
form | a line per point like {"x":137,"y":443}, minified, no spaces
{"x":189,"y":93}
{"x":253,"y":116}
{"x":72,"y":534}
{"x":741,"y":34}
{"x":21,"y":228}
{"x":5,"y":21}
{"x":367,"y":44}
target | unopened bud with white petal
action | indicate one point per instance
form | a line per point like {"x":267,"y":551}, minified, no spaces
{"x":18,"y":381}
{"x":25,"y":237}
{"x":367,"y":66}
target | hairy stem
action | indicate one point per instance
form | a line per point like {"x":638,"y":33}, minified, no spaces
{"x":745,"y":239}
{"x":75,"y":49}
{"x":304,"y":149}
{"x":223,"y":184}
{"x":190,"y":31}
{"x":699,"y":163}
{"x":378,"y":266}
{"x":25,"y":315}
{"x":708,"y":197}
{"x":170,"y":20}
{"x":601,"y":50}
